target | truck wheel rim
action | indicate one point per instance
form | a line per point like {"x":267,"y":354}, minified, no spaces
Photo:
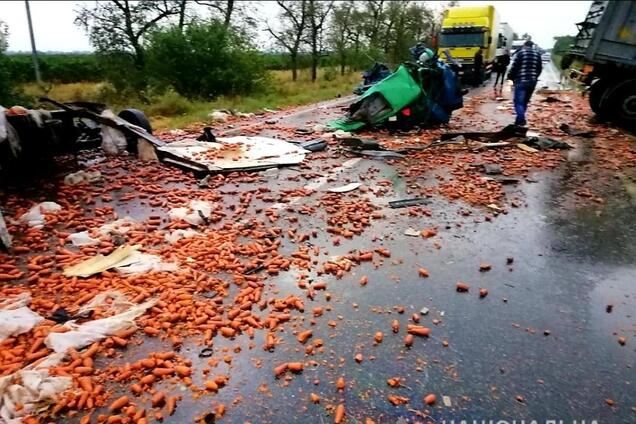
{"x":629,"y":106}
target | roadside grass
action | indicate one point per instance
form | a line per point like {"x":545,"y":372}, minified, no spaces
{"x":170,"y":110}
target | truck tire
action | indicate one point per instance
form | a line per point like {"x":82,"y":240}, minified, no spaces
{"x":597,"y":92}
{"x":138,"y":118}
{"x":623,"y":101}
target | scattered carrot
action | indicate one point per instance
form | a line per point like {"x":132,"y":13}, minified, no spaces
{"x":304,"y":336}
{"x":158,"y":399}
{"x":295,"y":366}
{"x":119,"y":403}
{"x":339,"y":415}
{"x":430,"y":399}
{"x":462,"y":287}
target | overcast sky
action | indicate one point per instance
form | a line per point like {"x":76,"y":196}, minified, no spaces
{"x":55,"y":31}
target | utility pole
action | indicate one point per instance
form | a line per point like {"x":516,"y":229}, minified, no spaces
{"x":34,"y":54}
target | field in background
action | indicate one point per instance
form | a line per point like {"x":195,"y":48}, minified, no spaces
{"x":170,"y":110}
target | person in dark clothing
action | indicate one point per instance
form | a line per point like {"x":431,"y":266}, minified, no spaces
{"x":524,"y":73}
{"x":478,"y":67}
{"x":501,"y":64}
{"x":566,"y":62}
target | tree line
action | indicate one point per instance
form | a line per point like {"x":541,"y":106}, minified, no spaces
{"x":203,"y":49}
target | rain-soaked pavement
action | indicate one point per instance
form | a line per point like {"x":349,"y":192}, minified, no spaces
{"x":542,"y":345}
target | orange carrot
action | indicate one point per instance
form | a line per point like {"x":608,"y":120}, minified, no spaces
{"x":430,"y":399}
{"x":295,"y":366}
{"x":119,"y":403}
{"x":339,"y":414}
{"x":304,"y":336}
{"x":158,"y":399}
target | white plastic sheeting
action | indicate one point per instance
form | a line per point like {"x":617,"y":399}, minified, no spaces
{"x":32,"y":388}
{"x":82,"y":239}
{"x":89,"y":332}
{"x":99,"y":263}
{"x":125,"y":259}
{"x":141,"y":263}
{"x":82,"y":176}
{"x":177,"y":235}
{"x":238,"y":153}
{"x":113,"y":141}
{"x":35,"y":216}
{"x":118,"y":227}
{"x":194,"y":214}
{"x":15,"y":317}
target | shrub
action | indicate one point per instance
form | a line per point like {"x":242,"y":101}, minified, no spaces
{"x":204,"y":61}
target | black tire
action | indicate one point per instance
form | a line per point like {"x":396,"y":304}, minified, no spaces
{"x":138,"y":118}
{"x":622,"y":99}
{"x":597,"y":92}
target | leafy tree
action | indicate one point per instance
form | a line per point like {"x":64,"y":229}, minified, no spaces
{"x":204,"y":60}
{"x":318,"y":12}
{"x":117,"y":29}
{"x":340,"y":31}
{"x":5,"y":83}
{"x":294,"y":18}
{"x":562,"y":44}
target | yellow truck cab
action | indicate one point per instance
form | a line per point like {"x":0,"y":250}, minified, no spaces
{"x":464,"y":30}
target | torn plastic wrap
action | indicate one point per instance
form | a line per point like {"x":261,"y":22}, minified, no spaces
{"x":15,"y":317}
{"x":196,"y":213}
{"x":89,"y":332}
{"x":31,"y":389}
{"x":124,"y":259}
{"x":99,"y":263}
{"x":35,"y":216}
{"x":113,"y":141}
{"x":141,"y":263}
{"x":82,"y":239}
{"x":177,"y":235}
{"x":9,"y":135}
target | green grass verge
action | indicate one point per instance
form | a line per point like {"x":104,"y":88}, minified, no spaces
{"x":170,"y":110}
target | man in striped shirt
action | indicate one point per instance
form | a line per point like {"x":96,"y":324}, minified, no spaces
{"x":524,"y":73}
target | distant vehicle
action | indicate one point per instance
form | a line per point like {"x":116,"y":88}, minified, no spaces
{"x":606,"y":43}
{"x":464,"y":30}
{"x":516,"y":46}
{"x":505,"y":39}
{"x":546,"y":57}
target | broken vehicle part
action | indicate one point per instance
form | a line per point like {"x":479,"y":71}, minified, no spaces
{"x":576,"y":132}
{"x":405,"y":203}
{"x":232,"y":154}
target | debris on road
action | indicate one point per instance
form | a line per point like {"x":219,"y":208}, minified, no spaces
{"x":159,"y":288}
{"x":405,"y":203}
{"x":232,"y":154}
{"x":345,"y":188}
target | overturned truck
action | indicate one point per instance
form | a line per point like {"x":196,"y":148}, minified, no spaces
{"x":413,"y":95}
{"x":31,"y":136}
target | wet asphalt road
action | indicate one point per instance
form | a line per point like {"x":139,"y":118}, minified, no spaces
{"x":541,"y":346}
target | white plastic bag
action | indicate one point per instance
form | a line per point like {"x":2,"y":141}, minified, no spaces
{"x":113,"y":141}
{"x":32,"y":388}
{"x":82,"y":176}
{"x":82,"y":239}
{"x":177,"y":235}
{"x":92,"y":331}
{"x":17,"y":321}
{"x":15,"y":317}
{"x":119,"y":227}
{"x":141,"y":263}
{"x":194,"y":214}
{"x":35,"y":216}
